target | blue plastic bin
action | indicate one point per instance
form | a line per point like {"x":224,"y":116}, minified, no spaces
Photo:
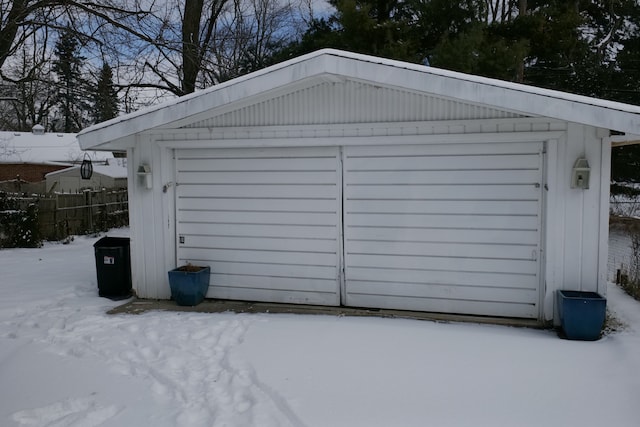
{"x":582,"y":314}
{"x":189,"y":287}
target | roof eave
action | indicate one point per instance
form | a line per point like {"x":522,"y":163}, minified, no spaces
{"x":198,"y":102}
{"x":527,"y":100}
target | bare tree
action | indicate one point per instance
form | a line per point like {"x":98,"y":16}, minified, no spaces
{"x":198,"y":30}
{"x":157,"y":48}
{"x":25,"y":45}
{"x":29,"y":72}
{"x":247,"y":37}
{"x":503,"y":10}
{"x":8,"y":151}
{"x":21,"y":19}
{"x":203,"y":42}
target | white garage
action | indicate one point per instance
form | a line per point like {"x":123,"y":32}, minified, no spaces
{"x":344,"y":179}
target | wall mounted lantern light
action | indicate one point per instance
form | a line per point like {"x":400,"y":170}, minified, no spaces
{"x":144,"y":172}
{"x":86,"y":168}
{"x":580,"y":174}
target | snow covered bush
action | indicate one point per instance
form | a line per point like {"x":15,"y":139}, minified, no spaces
{"x":18,"y":226}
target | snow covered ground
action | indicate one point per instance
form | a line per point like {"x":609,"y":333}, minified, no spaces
{"x":64,"y":362}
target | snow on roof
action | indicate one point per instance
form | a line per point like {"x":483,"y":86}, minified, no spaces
{"x":27,"y":147}
{"x":113,"y":171}
{"x":336,"y":64}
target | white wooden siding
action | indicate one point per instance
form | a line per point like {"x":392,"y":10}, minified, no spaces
{"x":267,"y":221}
{"x":328,"y":102}
{"x":447,"y":228}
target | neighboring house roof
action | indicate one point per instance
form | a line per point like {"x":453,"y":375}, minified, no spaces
{"x":47,"y":148}
{"x":112,"y":171}
{"x":336,"y":66}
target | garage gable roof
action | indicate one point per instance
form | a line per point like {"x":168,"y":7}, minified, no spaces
{"x":336,"y":66}
{"x":323,"y":102}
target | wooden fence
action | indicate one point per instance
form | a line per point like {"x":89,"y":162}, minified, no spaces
{"x":62,"y":215}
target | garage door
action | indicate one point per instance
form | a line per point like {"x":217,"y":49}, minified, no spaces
{"x":444,"y":228}
{"x":267,"y":221}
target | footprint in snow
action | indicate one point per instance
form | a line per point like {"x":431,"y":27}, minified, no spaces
{"x":79,"y":412}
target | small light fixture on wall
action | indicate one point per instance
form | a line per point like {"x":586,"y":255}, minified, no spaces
{"x":86,"y":168}
{"x":580,"y":174}
{"x":144,"y":172}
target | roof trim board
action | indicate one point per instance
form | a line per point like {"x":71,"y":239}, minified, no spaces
{"x":336,"y":66}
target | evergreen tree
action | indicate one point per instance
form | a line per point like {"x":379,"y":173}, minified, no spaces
{"x":627,"y":73}
{"x":105,"y":97}
{"x":485,"y":50}
{"x":71,"y":97}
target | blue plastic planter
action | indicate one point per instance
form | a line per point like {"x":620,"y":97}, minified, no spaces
{"x":189,"y":287}
{"x":581,"y":314}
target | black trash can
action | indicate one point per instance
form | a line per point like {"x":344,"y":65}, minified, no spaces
{"x":113,"y":267}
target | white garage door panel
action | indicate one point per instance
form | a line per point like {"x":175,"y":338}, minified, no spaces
{"x":275,"y":270}
{"x":446,"y":291}
{"x":446,"y":305}
{"x":442,"y":249}
{"x":237,"y":292}
{"x":489,"y":177}
{"x":275,"y":256}
{"x":298,"y":245}
{"x":288,"y":163}
{"x":257,"y":217}
{"x":453,"y":265}
{"x":262,"y":230}
{"x":448,"y":228}
{"x":482,"y":279}
{"x":452,"y":235}
{"x":443,"y":206}
{"x":446,"y":149}
{"x":459,"y":222}
{"x":256,"y":178}
{"x":264,"y":204}
{"x":274,"y":283}
{"x":447,"y":191}
{"x":266,"y":220}
{"x":463,"y":161}
{"x":253,"y":191}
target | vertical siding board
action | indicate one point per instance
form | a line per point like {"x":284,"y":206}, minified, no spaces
{"x":167,"y":200}
{"x":157,"y":223}
{"x":574,"y":203}
{"x":136,"y":209}
{"x":147,"y":246}
{"x":591,"y":212}
{"x":553,"y":249}
{"x":562,"y":187}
